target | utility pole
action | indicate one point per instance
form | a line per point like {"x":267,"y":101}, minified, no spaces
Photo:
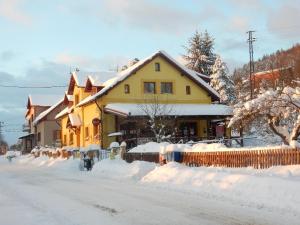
{"x":250,"y":40}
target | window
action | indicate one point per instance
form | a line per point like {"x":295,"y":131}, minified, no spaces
{"x":149,"y":87}
{"x":95,"y":131}
{"x":87,"y":132}
{"x":76,"y":99}
{"x":188,"y":90}
{"x":71,"y":138}
{"x":157,"y":67}
{"x":39,"y":137}
{"x":56,"y":135}
{"x":65,"y":139}
{"x":126,"y":89}
{"x":166,"y":88}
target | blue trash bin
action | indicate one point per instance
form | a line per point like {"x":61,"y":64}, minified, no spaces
{"x":177,"y":156}
{"x":173,"y":156}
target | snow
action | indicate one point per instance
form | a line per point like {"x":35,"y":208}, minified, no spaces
{"x":198,"y":147}
{"x":119,"y":169}
{"x":175,"y":109}
{"x":46,"y":112}
{"x":44,"y":100}
{"x":115,"y":134}
{"x":62,"y":113}
{"x":98,"y":78}
{"x":54,"y":192}
{"x":75,"y":120}
{"x":114,"y":145}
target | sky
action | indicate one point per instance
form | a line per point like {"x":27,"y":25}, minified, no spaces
{"x":41,"y":41}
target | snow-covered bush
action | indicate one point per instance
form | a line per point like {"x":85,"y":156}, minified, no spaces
{"x":280,"y":108}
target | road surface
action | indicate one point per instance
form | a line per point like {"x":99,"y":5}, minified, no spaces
{"x":38,"y":196}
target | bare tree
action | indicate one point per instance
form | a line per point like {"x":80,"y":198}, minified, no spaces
{"x":159,"y":117}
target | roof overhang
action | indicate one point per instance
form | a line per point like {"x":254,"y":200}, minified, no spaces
{"x":123,"y":109}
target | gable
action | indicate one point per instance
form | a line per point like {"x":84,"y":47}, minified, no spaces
{"x":168,"y":73}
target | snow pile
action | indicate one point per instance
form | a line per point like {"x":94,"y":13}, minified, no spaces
{"x":59,"y":164}
{"x":276,"y":187}
{"x":164,"y":147}
{"x":119,"y":169}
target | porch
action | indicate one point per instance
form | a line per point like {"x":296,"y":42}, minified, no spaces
{"x":184,"y":123}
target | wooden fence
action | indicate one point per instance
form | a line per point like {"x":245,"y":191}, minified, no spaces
{"x":149,"y":157}
{"x":259,"y":159}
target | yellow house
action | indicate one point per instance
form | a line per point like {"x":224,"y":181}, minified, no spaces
{"x":119,"y":108}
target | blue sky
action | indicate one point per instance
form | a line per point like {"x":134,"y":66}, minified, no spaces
{"x":42,"y":40}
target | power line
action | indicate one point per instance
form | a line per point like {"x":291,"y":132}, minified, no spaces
{"x":37,"y":87}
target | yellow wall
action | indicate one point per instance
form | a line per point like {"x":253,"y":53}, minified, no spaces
{"x":148,"y":74}
{"x":89,"y":112}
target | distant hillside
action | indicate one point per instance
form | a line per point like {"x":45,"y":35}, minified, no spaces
{"x":279,"y":59}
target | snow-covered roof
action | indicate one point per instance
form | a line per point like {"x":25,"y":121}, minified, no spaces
{"x":74,"y":120}
{"x":128,"y":109}
{"x":46,"y":112}
{"x":98,"y":78}
{"x":43,"y":100}
{"x":115,"y":134}
{"x":109,"y":84}
{"x":65,"y":111}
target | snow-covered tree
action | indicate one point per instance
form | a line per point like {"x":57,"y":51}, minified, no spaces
{"x":280,"y":108}
{"x":221,"y":82}
{"x":199,"y":53}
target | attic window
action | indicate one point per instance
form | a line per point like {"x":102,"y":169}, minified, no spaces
{"x":188,"y":90}
{"x":126,"y":88}
{"x":157,"y":67}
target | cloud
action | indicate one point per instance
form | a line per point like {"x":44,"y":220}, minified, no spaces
{"x":284,"y":20}
{"x":7,"y":56}
{"x":12,"y":11}
{"x":239,"y":23}
{"x":149,"y":15}
{"x":107,"y":62}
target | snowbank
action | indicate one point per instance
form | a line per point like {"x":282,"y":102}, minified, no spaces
{"x":276,"y":187}
{"x":200,"y":147}
{"x":119,"y":169}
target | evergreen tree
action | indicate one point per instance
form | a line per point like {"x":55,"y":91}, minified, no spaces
{"x":199,"y":53}
{"x":221,"y":82}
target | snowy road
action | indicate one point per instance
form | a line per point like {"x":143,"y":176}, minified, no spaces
{"x":33,"y":196}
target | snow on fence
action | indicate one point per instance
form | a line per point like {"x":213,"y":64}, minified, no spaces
{"x":259,"y":159}
{"x":149,"y":157}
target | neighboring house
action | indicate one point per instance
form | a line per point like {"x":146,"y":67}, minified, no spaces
{"x":99,"y":111}
{"x":3,"y":147}
{"x":78,"y":129}
{"x":273,"y":78}
{"x":36,"y":104}
{"x":47,"y":129}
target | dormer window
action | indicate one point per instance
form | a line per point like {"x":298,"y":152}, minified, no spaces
{"x":157,"y":67}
